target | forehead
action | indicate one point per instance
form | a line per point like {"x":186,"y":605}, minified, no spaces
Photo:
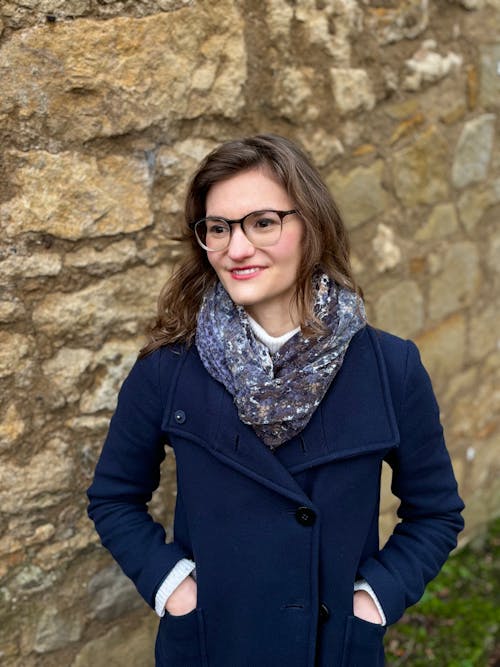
{"x":250,"y":190}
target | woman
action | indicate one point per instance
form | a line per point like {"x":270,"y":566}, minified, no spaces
{"x":280,"y":403}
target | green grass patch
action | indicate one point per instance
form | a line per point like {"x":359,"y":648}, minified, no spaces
{"x":457,"y":621}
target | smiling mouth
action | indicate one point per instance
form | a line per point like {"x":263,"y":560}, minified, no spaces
{"x":247,"y":271}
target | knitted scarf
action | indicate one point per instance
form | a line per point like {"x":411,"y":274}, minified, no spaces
{"x":277,"y":393}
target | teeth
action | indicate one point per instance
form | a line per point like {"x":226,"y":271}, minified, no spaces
{"x":244,"y":272}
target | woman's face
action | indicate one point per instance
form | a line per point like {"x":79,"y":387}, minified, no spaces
{"x":262,"y":280}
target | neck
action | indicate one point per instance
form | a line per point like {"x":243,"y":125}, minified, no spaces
{"x":273,"y":322}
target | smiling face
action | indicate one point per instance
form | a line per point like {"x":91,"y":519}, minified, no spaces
{"x":262,"y":280}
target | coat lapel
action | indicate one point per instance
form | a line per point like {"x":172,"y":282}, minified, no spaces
{"x":355,"y":417}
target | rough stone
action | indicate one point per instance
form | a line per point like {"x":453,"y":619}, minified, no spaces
{"x":278,"y":16}
{"x":458,"y":282}
{"x":110,"y":366}
{"x":387,"y":252}
{"x":352,"y":90}
{"x":428,"y":66}
{"x":11,"y":310}
{"x":441,"y":223}
{"x":12,"y":427}
{"x":100,"y":262}
{"x":74,"y":196}
{"x":420,"y":170}
{"x":494,"y":253}
{"x":443,"y":348}
{"x":407,"y":20}
{"x":120,"y":646}
{"x":89,"y":78}
{"x":39,"y":264}
{"x":294,"y":96}
{"x":56,"y":629}
{"x":65,"y":369}
{"x":112,"y":594}
{"x":484,"y":335}
{"x":490,"y":81}
{"x":473,"y":203}
{"x":41,"y":483}
{"x":473,"y":151}
{"x":324,"y":146}
{"x":125,"y":300}
{"x":400,"y":309}
{"x":13,"y":349}
{"x":359,"y":193}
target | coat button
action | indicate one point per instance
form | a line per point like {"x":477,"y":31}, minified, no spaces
{"x":324,"y":612}
{"x":180,"y":416}
{"x":305,"y":516}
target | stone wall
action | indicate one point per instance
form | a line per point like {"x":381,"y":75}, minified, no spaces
{"x":106,"y":106}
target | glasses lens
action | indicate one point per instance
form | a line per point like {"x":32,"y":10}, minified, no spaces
{"x":213,"y":234}
{"x":263,"y":228}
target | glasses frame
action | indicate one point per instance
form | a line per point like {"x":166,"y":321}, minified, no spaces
{"x":240,"y":221}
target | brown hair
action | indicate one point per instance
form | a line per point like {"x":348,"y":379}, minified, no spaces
{"x":325,"y":241}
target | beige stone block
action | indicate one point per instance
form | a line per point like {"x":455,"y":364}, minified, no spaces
{"x":101,"y":262}
{"x":74,"y":196}
{"x":460,"y":383}
{"x":407,"y":20}
{"x":40,"y":484}
{"x":93,"y":78}
{"x":427,"y":66}
{"x":490,"y":81}
{"x":387,"y":251}
{"x":352,"y":90}
{"x":359,"y":194}
{"x":111,"y":364}
{"x":65,"y":370}
{"x":473,"y":151}
{"x":12,"y":427}
{"x":122,"y":645}
{"x":441,"y":223}
{"x":30,"y":266}
{"x":458,"y":282}
{"x":443,"y":348}
{"x":420,"y":170}
{"x":400,"y":309}
{"x":278,"y":18}
{"x":484,"y":331}
{"x":473,"y":203}
{"x":123,"y":301}
{"x":494,"y":253}
{"x":11,"y":309}
{"x":474,"y":415}
{"x":294,"y":96}
{"x":13,"y":350}
{"x":56,"y":629}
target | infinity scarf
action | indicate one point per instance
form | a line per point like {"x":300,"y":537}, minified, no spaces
{"x":278,"y":393}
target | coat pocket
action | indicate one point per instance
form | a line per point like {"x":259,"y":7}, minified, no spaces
{"x":180,"y":641}
{"x":363,"y":643}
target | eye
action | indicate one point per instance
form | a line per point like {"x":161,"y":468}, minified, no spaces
{"x":215,"y":228}
{"x":265,"y":221}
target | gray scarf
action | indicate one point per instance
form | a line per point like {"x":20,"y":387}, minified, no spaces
{"x":277,"y":394}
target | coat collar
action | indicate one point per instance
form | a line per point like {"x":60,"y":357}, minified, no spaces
{"x":355,"y":417}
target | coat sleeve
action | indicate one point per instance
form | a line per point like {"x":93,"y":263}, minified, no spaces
{"x":127,"y":473}
{"x":430,"y":506}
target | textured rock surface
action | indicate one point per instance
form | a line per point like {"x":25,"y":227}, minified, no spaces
{"x":105,"y":110}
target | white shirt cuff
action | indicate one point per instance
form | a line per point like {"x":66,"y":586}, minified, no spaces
{"x":177,"y":574}
{"x":363,"y":585}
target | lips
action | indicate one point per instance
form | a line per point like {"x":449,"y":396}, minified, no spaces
{"x":245,"y":272}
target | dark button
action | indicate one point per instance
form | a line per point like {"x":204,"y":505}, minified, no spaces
{"x":324,"y":612}
{"x":305,"y":516}
{"x":180,"y":416}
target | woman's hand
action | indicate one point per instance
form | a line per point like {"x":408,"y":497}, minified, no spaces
{"x":365,"y":608}
{"x":183,"y":598}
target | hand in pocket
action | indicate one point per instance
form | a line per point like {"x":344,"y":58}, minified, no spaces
{"x":183,"y":599}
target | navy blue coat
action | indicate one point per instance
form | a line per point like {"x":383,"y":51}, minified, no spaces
{"x":279,"y":538}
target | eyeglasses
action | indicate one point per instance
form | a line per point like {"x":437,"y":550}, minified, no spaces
{"x":262,"y":229}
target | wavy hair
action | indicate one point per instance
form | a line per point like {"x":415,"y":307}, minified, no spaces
{"x":325,"y":240}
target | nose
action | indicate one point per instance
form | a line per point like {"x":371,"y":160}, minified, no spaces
{"x":239,"y":246}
